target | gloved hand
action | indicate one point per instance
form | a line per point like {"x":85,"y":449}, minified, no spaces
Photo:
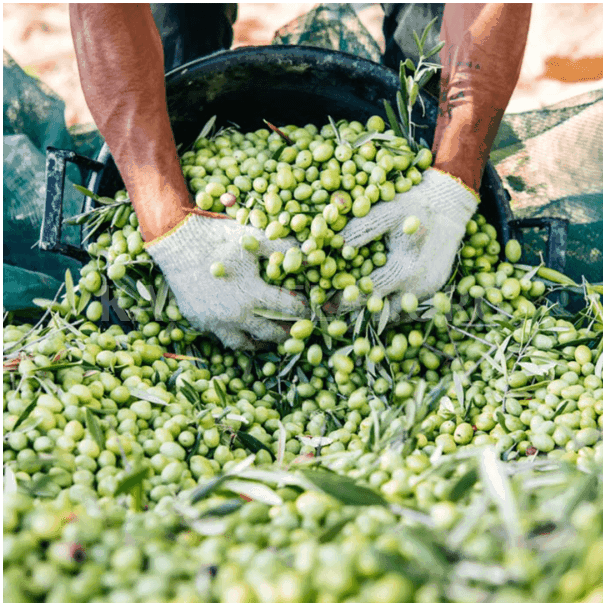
{"x":419,"y":263}
{"x":223,"y":305}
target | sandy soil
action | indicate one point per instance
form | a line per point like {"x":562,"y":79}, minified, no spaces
{"x":563,"y":55}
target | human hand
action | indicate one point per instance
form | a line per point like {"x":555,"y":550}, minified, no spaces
{"x":417,"y":263}
{"x":224,"y":305}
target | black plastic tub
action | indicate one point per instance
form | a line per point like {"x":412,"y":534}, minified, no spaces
{"x":291,"y":85}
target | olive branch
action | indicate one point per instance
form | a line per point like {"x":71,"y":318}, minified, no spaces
{"x":412,"y":79}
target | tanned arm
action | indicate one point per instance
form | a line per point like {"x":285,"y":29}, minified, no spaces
{"x":120,"y":60}
{"x":481,"y":62}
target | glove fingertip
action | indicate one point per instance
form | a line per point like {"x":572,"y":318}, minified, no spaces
{"x":235,"y":339}
{"x":267,"y":330}
{"x":286,"y":301}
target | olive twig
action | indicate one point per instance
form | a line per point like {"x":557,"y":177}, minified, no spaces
{"x":277,"y":130}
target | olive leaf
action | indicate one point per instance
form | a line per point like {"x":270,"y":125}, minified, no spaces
{"x":10,"y":481}
{"x":598,"y":366}
{"x":161,"y":298}
{"x":251,"y":443}
{"x":436,"y":49}
{"x":463,"y":485}
{"x":290,"y":365}
{"x":94,"y":196}
{"x":172,"y":380}
{"x":332,"y":532}
{"x":144,"y":291}
{"x":48,"y":386}
{"x":46,"y":304}
{"x":92,"y":424}
{"x":418,"y":42}
{"x":402,"y":110}
{"x":384,"y":317}
{"x":411,"y":413}
{"x":103,"y":288}
{"x":343,"y":488}
{"x":374,"y":435}
{"x":459,"y":389}
{"x":61,"y":365}
{"x":424,"y":77}
{"x":463,"y":529}
{"x":414,"y":92}
{"x":220,"y":390}
{"x":128,"y":286}
{"x":536,"y":369}
{"x":188,"y":390}
{"x":281,"y":442}
{"x":270,"y":357}
{"x":429,"y":555}
{"x":24,"y":414}
{"x":194,"y":449}
{"x":358,"y":324}
{"x":268,"y":314}
{"x":501,"y":420}
{"x":301,"y":376}
{"x":315,"y":441}
{"x":101,"y":411}
{"x":38,"y":487}
{"x":69,"y":290}
{"x":273,"y":476}
{"x":386,"y":375}
{"x":425,"y":34}
{"x":481,"y":573}
{"x":334,"y":127}
{"x":132,"y":480}
{"x":226,"y":508}
{"x":574,"y":342}
{"x":581,"y":492}
{"x":254,"y":490}
{"x":141,"y":394}
{"x":436,"y":455}
{"x":207,"y":488}
{"x":191,"y":353}
{"x":85,"y":297}
{"x":211,"y":526}
{"x":372,"y":136}
{"x":492,"y":472}
{"x":392,"y":119}
{"x":236,"y":417}
{"x":207,"y":128}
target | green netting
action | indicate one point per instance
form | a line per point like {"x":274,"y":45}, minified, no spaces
{"x":33,"y":120}
{"x":550,"y":160}
{"x":334,"y":26}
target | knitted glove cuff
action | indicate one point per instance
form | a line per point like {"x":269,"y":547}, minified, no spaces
{"x":183,"y":244}
{"x":449,"y":194}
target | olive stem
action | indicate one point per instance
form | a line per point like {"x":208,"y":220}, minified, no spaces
{"x":468,"y":334}
{"x":277,"y":130}
{"x":39,"y":323}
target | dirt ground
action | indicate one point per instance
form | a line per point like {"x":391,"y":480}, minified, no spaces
{"x":563,"y":55}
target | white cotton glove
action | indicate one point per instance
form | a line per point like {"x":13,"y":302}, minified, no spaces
{"x":224,"y":305}
{"x":419,"y":263}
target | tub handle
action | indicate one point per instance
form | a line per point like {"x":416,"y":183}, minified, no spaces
{"x":50,"y":231}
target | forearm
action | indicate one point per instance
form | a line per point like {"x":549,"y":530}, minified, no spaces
{"x":120,"y":61}
{"x":481,"y":62}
